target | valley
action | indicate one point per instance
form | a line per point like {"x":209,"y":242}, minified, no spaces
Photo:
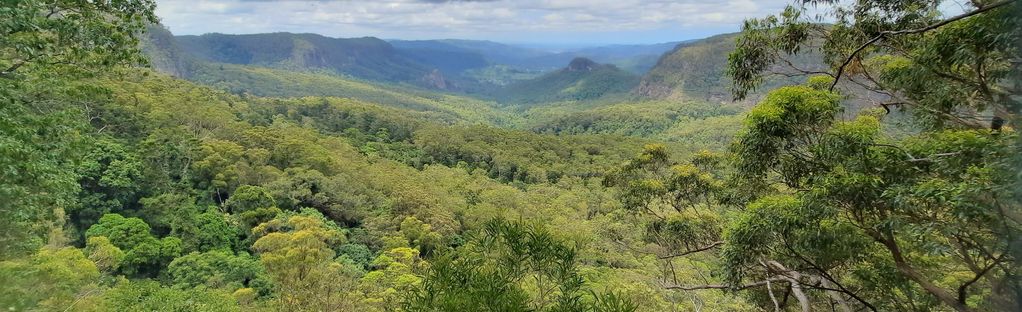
{"x":552,"y":93}
{"x":792,"y":166}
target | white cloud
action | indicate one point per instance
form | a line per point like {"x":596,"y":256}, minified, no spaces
{"x":515,"y":20}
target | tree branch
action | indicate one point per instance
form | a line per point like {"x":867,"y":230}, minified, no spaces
{"x":692,"y":251}
{"x":826,"y":277}
{"x":960,"y":120}
{"x":722,"y":286}
{"x":913,"y":158}
{"x":884,"y":34}
{"x":801,"y":71}
{"x":6,"y":73}
{"x":963,"y":289}
{"x":902,"y":265}
{"x":795,"y":279}
{"x":770,"y":291}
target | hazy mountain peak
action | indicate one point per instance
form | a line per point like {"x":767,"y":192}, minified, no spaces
{"x":582,"y":64}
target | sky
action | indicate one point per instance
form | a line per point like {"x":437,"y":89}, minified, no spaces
{"x":539,"y":22}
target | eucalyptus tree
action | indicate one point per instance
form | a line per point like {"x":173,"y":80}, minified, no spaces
{"x":44,"y":46}
{"x":827,"y":212}
{"x":854,"y":211}
{"x":510,"y":266}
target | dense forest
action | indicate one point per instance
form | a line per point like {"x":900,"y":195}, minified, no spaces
{"x":870,"y":163}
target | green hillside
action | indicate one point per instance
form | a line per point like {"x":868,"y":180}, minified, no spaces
{"x":449,"y":58}
{"x":696,"y":70}
{"x":582,"y":79}
{"x":367,"y":58}
{"x":262,"y":81}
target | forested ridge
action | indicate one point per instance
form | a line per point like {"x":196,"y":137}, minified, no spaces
{"x":867,"y":164}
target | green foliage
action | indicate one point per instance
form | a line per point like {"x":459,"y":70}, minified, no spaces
{"x":35,"y":179}
{"x":41,"y":52}
{"x":280,"y":83}
{"x":888,"y":48}
{"x":169,"y":212}
{"x":77,"y":35}
{"x":49,"y":280}
{"x":126,"y":232}
{"x":419,"y":235}
{"x":690,"y":67}
{"x":107,"y":257}
{"x":396,"y":273}
{"x":210,"y":230}
{"x":780,"y":127}
{"x":218,"y":269}
{"x":144,"y":254}
{"x":492,"y":274}
{"x":520,"y":156}
{"x":950,"y":73}
{"x":624,"y":117}
{"x":652,"y":178}
{"x":379,"y":197}
{"x":701,"y":69}
{"x":151,"y":296}
{"x":248,"y":198}
{"x":358,"y":254}
{"x":108,"y":175}
{"x":853,"y":197}
{"x":761,"y":43}
{"x":296,"y":251}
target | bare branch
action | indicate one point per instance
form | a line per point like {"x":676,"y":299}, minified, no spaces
{"x":692,"y":251}
{"x":825,"y":278}
{"x":770,"y":290}
{"x":794,"y":278}
{"x":805,"y":71}
{"x":6,"y":73}
{"x":913,"y":158}
{"x":722,"y":286}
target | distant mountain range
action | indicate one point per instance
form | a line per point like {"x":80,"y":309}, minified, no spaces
{"x":637,"y":59}
{"x":367,"y":58}
{"x":394,"y":60}
{"x":634,"y":58}
{"x":489,"y":70}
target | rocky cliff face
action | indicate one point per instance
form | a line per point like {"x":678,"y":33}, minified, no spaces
{"x":692,"y":68}
{"x":697,"y":69}
{"x":435,"y":79}
{"x":164,"y":54}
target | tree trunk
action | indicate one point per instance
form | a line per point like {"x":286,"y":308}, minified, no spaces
{"x":903,"y":266}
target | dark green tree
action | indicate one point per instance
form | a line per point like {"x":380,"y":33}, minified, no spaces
{"x":144,"y":254}
{"x":43,"y":46}
{"x":489,"y":273}
{"x":218,"y":269}
{"x":147,"y":295}
{"x":109,"y":182}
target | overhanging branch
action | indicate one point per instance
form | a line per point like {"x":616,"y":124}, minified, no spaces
{"x":722,"y":286}
{"x":887,"y":33}
{"x":692,"y":251}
